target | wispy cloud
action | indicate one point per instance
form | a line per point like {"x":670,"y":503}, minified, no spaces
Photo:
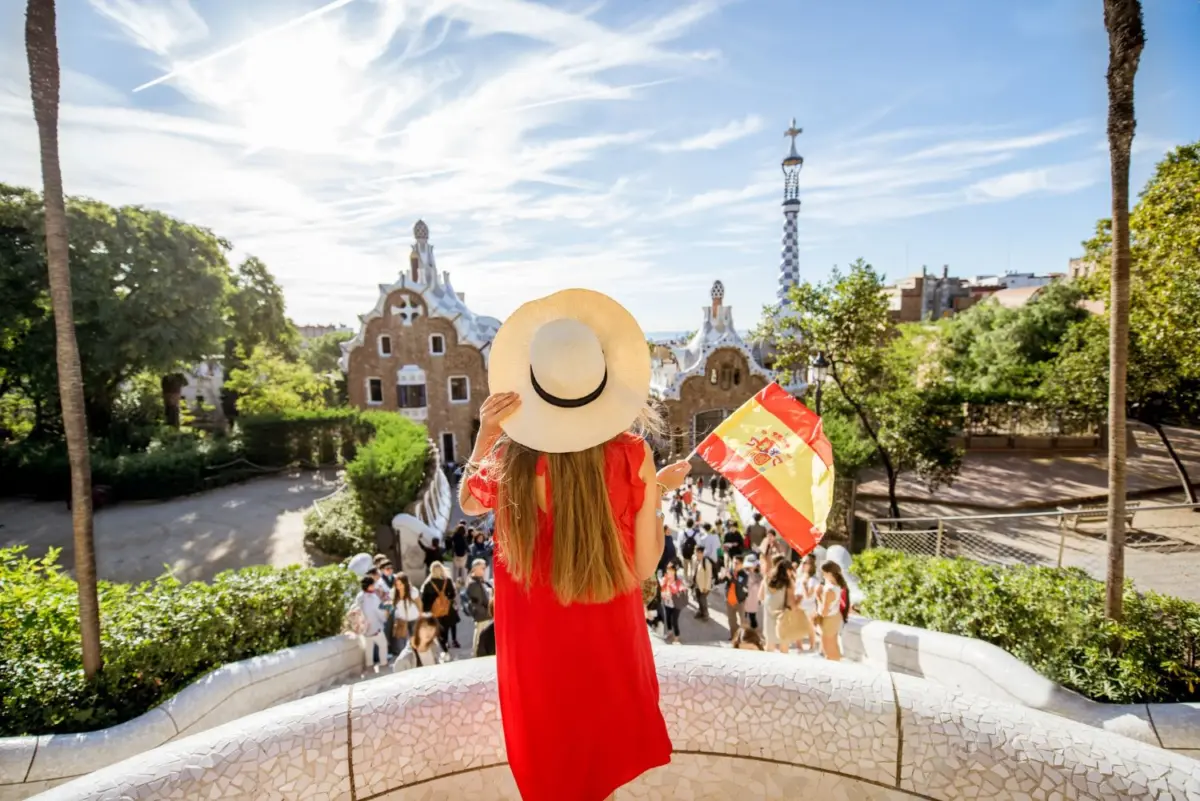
{"x":159,"y":26}
{"x":716,"y":137}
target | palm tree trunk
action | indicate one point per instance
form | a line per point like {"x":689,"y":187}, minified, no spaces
{"x":41,"y":47}
{"x":1126,"y":37}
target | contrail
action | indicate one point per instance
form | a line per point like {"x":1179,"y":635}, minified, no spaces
{"x":300,"y":20}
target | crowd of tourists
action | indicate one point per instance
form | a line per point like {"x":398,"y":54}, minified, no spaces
{"x":774,"y":599}
{"x":405,"y":625}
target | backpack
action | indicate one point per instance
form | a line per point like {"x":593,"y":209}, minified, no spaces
{"x":689,"y":545}
{"x":356,"y":621}
{"x":441,"y":605}
{"x":844,"y":603}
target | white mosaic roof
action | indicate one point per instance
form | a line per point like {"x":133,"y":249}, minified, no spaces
{"x":716,"y":331}
{"x":440,"y":299}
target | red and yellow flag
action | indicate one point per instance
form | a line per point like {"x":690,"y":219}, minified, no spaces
{"x":774,"y":452}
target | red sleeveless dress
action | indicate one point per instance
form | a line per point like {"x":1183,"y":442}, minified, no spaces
{"x":578,"y":688}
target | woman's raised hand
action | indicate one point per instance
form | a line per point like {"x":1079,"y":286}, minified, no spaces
{"x":671,"y":477}
{"x":495,"y":410}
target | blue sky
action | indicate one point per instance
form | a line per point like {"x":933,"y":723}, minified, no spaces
{"x":631,"y":147}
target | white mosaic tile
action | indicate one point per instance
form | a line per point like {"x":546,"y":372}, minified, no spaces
{"x":957,"y":745}
{"x":689,"y":777}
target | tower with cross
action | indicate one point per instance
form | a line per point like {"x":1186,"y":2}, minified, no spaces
{"x":789,"y":265}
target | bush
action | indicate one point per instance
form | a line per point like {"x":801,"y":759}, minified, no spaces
{"x":1051,"y":619}
{"x":303,"y":437}
{"x":337,"y":528}
{"x":388,"y":471}
{"x":157,"y":637}
{"x":177,"y":463}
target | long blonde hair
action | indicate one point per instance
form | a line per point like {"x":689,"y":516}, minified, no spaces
{"x":590,"y":565}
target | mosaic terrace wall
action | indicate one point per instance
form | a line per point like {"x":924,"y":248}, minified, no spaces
{"x":745,"y":724}
{"x":29,"y":765}
{"x":965,"y":664}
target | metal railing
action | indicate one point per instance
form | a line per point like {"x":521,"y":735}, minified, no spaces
{"x":1064,"y":537}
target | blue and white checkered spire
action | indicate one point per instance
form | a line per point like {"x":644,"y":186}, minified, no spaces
{"x":789,"y":265}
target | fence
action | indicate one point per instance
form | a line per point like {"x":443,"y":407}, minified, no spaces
{"x":1162,"y":541}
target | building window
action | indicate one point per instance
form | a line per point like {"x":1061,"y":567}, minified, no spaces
{"x":726,"y":376}
{"x":385,"y":345}
{"x":460,"y":389}
{"x":437,"y":344}
{"x":375,"y":391}
{"x":737,"y":377}
{"x":410,"y":396}
{"x":448,"y":454}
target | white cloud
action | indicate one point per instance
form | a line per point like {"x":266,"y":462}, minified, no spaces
{"x":160,"y":26}
{"x":716,"y":137}
{"x":1057,"y":179}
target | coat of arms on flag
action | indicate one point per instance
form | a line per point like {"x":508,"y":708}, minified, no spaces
{"x":774,"y":452}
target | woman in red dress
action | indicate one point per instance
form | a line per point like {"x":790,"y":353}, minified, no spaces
{"x":578,"y":527}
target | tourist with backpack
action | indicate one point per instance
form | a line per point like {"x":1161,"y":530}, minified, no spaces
{"x":687,"y":540}
{"x":737,"y":589}
{"x":369,"y":623}
{"x":437,"y":596}
{"x":477,"y":599}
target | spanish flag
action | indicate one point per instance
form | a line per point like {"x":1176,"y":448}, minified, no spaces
{"x":774,"y":452}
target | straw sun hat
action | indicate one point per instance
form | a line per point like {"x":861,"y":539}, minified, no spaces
{"x":579,"y":362}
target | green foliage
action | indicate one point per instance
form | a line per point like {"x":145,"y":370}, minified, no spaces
{"x":388,"y":471}
{"x":303,"y":437}
{"x":257,"y":312}
{"x":266,"y":383}
{"x":175,"y":463}
{"x":1051,"y":619}
{"x":991,"y":348}
{"x":322,"y":353}
{"x":137,"y":413}
{"x":158,"y":637}
{"x":875,"y":372}
{"x":852,"y":450}
{"x":337,"y":528}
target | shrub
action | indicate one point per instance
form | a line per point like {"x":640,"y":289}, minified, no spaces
{"x":303,"y":437}
{"x":157,"y":637}
{"x":388,"y":471}
{"x":175,"y":464}
{"x":1051,"y":619}
{"x":337,"y":527}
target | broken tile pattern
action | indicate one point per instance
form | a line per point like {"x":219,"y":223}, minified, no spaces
{"x":746,"y":725}
{"x":689,"y":777}
{"x":958,"y":745}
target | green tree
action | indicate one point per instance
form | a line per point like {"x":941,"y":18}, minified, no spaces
{"x":257,"y":316}
{"x":323,"y":353}
{"x":1126,"y":38}
{"x":267,"y":383}
{"x":874,"y":372}
{"x":992,"y":349}
{"x":149,"y":291}
{"x":41,"y":49}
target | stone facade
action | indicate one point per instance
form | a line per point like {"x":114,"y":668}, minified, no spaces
{"x":422,"y":353}
{"x":408,"y":362}
{"x":705,"y":400}
{"x":698,"y":385}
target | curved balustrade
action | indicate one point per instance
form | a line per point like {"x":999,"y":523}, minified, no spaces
{"x":745,"y":725}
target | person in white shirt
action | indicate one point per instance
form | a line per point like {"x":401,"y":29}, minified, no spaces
{"x":375,"y":619}
{"x":709,"y":541}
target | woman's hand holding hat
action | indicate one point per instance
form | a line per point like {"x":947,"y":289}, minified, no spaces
{"x":493,"y":412}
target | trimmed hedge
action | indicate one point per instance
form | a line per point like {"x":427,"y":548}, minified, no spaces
{"x":388,"y":471}
{"x":337,"y":528}
{"x":178,"y":466}
{"x":157,"y":637}
{"x":1051,"y":619}
{"x":303,"y":437}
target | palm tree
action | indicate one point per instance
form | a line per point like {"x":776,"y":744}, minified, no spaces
{"x":1126,"y":37}
{"x":41,"y":47}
